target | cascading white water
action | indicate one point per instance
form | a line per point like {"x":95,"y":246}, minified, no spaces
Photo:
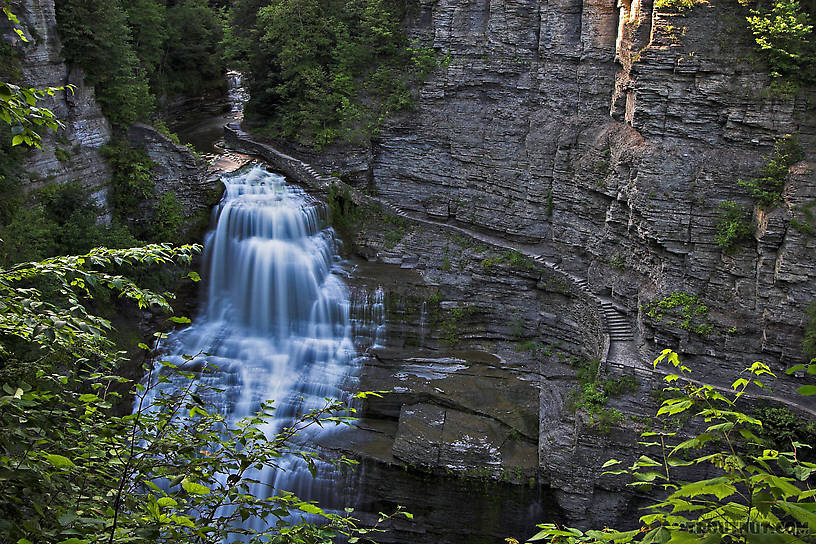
{"x":277,"y":319}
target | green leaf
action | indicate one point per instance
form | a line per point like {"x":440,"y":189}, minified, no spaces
{"x":310,"y":508}
{"x":59,"y":461}
{"x":719,"y":487}
{"x":184,"y":320}
{"x":682,"y":537}
{"x":194,"y":276}
{"x":807,"y":390}
{"x":166,"y":502}
{"x":17,"y":140}
{"x":194,"y":488}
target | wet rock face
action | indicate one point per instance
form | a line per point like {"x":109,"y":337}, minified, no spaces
{"x":73,"y":152}
{"x":609,"y":137}
{"x":177,"y":170}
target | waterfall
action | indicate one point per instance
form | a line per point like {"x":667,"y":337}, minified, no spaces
{"x":237,"y":95}
{"x":277,"y":318}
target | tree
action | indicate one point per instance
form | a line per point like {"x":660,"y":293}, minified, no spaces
{"x":757,"y":494}
{"x":193,"y":62}
{"x":96,"y":37}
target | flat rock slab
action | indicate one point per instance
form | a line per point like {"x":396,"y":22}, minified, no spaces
{"x":434,"y":437}
{"x":508,"y":396}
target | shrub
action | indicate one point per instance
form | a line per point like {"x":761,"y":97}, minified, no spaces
{"x":734,"y":227}
{"x":746,"y":494}
{"x":681,"y":306}
{"x":58,"y":219}
{"x":783,"y":32}
{"x":131,"y":181}
{"x":168,"y":219}
{"x":768,"y":188}
{"x":680,"y":6}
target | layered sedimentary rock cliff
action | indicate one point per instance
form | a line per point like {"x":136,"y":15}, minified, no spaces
{"x":74,"y":153}
{"x":608,"y":136}
{"x":603,"y":137}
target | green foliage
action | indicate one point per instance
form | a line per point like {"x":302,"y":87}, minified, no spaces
{"x":806,"y":225}
{"x":768,"y":188}
{"x":344,"y":214}
{"x":734,"y":227}
{"x":810,"y":369}
{"x":131,"y":181}
{"x":680,"y":6}
{"x":781,"y":427}
{"x":451,"y":325}
{"x":615,"y":387}
{"x":134,"y":51}
{"x":77,"y":471}
{"x":239,"y":33}
{"x":617,"y":261}
{"x":532,"y":347}
{"x":147,"y":20}
{"x":680,"y":306}
{"x":320,"y":71}
{"x":783,"y":32}
{"x":168,"y":220}
{"x":58,"y":219}
{"x":748,"y":493}
{"x":592,"y":394}
{"x":10,"y":61}
{"x":162,"y":127}
{"x":19,"y":110}
{"x":95,"y":36}
{"x":193,"y":62}
{"x":515,"y":259}
{"x":62,"y":155}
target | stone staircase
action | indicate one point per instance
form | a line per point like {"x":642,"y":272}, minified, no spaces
{"x":618,"y":327}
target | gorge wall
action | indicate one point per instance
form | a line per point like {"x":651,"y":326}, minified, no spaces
{"x":604,"y":137}
{"x":610,"y":134}
{"x":74,"y":153}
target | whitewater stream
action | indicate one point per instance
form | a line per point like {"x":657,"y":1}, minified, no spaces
{"x":277,"y":319}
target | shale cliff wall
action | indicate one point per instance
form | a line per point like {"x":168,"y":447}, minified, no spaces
{"x":607,"y":135}
{"x":74,"y":153}
{"x":603,"y":137}
{"x":85,"y":130}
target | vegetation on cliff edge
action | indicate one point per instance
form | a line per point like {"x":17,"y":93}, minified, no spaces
{"x":322,"y":71}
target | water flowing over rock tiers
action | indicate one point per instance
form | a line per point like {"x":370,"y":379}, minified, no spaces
{"x":277,"y":319}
